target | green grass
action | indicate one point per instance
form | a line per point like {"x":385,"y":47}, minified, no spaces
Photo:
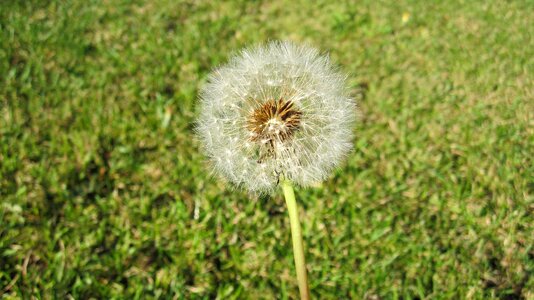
{"x":104,"y":193}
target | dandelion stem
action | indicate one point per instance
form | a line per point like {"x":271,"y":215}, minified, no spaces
{"x":296,"y":234}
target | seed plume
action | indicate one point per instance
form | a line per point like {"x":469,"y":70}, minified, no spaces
{"x":276,"y":109}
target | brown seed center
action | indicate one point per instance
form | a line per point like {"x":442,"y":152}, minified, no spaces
{"x":274,"y":121}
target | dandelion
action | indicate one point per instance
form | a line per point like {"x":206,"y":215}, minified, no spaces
{"x":274,"y":114}
{"x":405,"y":17}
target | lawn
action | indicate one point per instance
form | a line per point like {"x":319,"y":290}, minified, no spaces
{"x":105,"y":192}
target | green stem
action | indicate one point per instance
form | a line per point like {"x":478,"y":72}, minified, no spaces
{"x":296,"y":234}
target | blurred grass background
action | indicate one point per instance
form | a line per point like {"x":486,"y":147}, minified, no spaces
{"x":104,"y":193}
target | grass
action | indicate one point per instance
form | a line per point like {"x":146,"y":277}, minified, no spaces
{"x":104,"y":193}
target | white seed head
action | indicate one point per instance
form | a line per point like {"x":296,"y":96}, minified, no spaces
{"x":279,"y":109}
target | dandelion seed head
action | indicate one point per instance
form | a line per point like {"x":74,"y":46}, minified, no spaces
{"x":278,"y":109}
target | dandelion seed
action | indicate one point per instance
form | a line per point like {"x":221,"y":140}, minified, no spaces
{"x":276,"y":110}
